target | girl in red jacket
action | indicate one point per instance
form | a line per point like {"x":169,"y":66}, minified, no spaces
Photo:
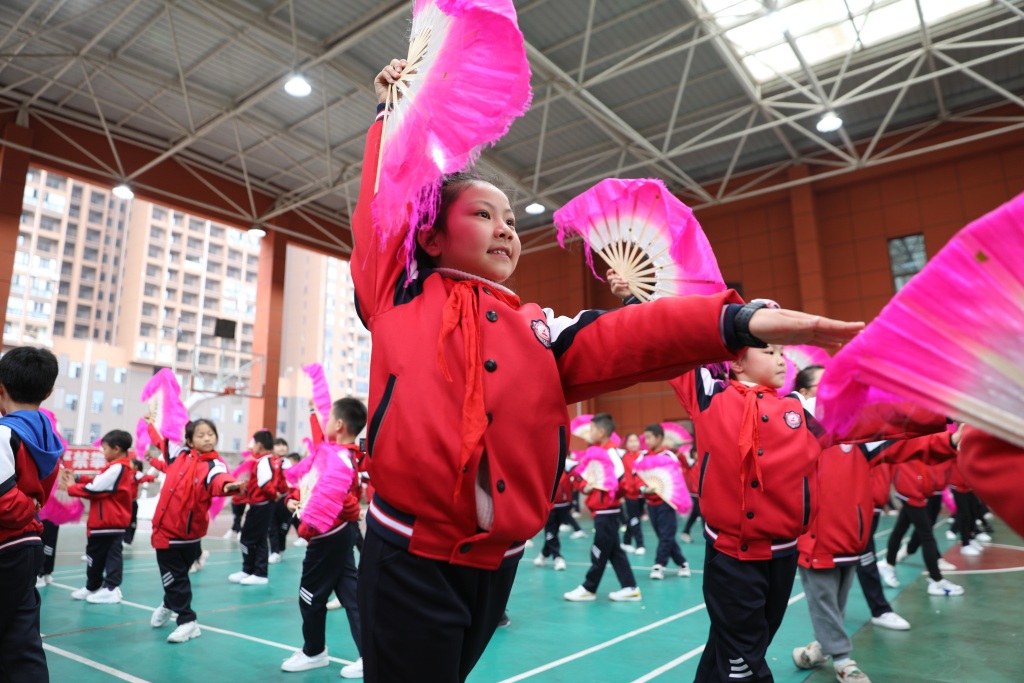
{"x":478,"y":383}
{"x":194,"y":475}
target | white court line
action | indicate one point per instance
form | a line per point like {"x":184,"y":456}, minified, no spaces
{"x":80,"y":571}
{"x":95,"y":665}
{"x":602,"y":646}
{"x":235,"y":634}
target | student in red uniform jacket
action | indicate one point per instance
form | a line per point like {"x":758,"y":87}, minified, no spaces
{"x":330,"y":565}
{"x":265,"y":485}
{"x":29,"y":453}
{"x":138,"y":479}
{"x":560,"y":514}
{"x":994,"y":469}
{"x":968,"y":512}
{"x":691,"y":475}
{"x":663,"y":516}
{"x":281,"y":519}
{"x":110,"y":495}
{"x":479,"y":382}
{"x":633,"y":539}
{"x":193,"y":476}
{"x":604,"y":506}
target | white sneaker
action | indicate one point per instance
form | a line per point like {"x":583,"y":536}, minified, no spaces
{"x":334,"y":604}
{"x":946,"y":566}
{"x":48,"y":578}
{"x":564,"y":528}
{"x":977,"y":544}
{"x":902,"y":554}
{"x":85,"y":558}
{"x":628,"y":548}
{"x":81,"y":594}
{"x":983,"y":537}
{"x":198,"y":565}
{"x":657,"y":572}
{"x":353,"y":670}
{"x":944,"y":587}
{"x":809,"y":657}
{"x":579,"y":533}
{"x":641,"y":551}
{"x":185,"y":632}
{"x":950,"y":535}
{"x":40,"y":582}
{"x":300,"y":543}
{"x":125,"y":545}
{"x":685,"y":537}
{"x":228,"y":534}
{"x":300,"y":661}
{"x":888,"y":574}
{"x":160,"y":616}
{"x":529,"y":543}
{"x":969,"y":551}
{"x":275,"y":558}
{"x":237,"y":577}
{"x":538,"y":561}
{"x":891,"y":621}
{"x":236,"y":535}
{"x":851,"y":673}
{"x":627,"y":594}
{"x":683,"y":571}
{"x":105,"y":596}
{"x":559,"y":564}
{"x":254,"y":580}
{"x":579,"y":594}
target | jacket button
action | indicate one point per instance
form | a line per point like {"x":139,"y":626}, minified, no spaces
{"x":760,"y":451}
{"x":753,"y":484}
{"x":490,"y":418}
{"x":492,"y":316}
{"x":743,"y":547}
{"x":465,"y":547}
{"x":500,"y":486}
{"x":760,"y":395}
{"x":486,"y":291}
{"x":750,"y":515}
{"x":490,"y":365}
{"x":465,"y":469}
{"x":764,"y":418}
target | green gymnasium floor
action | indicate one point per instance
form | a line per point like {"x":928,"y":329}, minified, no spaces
{"x":249,"y":630}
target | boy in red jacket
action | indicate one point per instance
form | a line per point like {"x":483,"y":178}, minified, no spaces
{"x":605,"y":508}
{"x":110,"y":494}
{"x":663,"y":516}
{"x":29,"y":453}
{"x":633,"y":539}
{"x":330,"y":565}
{"x":266,"y":485}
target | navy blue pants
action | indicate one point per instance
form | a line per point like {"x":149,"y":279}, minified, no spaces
{"x":50,"y":532}
{"x":329,"y":567}
{"x":422,"y":619}
{"x":174,"y":563}
{"x":666,"y":523}
{"x":634,"y":531}
{"x":253,"y":542}
{"x":281,"y":522}
{"x":607,"y":549}
{"x":237,"y":510}
{"x":21,"y":648}
{"x":552,"y":545}
{"x":105,"y":560}
{"x":129,"y":533}
{"x":746,"y":602}
{"x":867,"y":574}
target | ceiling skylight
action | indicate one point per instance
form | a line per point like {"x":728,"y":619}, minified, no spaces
{"x":821,"y":29}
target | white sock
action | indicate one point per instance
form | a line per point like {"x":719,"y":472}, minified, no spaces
{"x":841,"y":662}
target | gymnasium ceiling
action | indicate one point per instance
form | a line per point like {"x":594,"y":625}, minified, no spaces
{"x":719,"y":98}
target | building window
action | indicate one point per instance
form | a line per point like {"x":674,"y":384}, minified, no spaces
{"x":95,"y":431}
{"x":97,"y":401}
{"x":71,"y":401}
{"x":100,"y":371}
{"x":120,"y":374}
{"x":74,"y":370}
{"x":282,"y":427}
{"x":237,"y":416}
{"x":117,"y":406}
{"x":215,"y":414}
{"x":907,"y":257}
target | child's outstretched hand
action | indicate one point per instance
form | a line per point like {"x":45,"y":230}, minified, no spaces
{"x":618,"y":284}
{"x":781,"y":326}
{"x":388,"y":76}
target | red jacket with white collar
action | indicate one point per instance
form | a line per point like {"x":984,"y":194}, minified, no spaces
{"x":839,"y":532}
{"x":532,"y":360}
{"x":22,"y":493}
{"x":266,"y":481}
{"x":110,"y":495}
{"x":994,"y":469}
{"x":756,"y":508}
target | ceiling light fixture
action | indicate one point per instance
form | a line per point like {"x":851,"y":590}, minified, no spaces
{"x":122,"y":191}
{"x":257,"y":232}
{"x":298,"y":86}
{"x":829,"y":122}
{"x":535,"y":209}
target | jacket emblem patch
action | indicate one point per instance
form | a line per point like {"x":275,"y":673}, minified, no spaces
{"x":846,"y":448}
{"x":542,"y":332}
{"x":793,"y":419}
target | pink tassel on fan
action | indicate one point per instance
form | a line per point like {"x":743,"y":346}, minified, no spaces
{"x":61,"y":508}
{"x":308,"y":443}
{"x":321,"y":392}
{"x":296,"y":472}
{"x":472,"y":81}
{"x":142,"y":440}
{"x":174,"y":415}
{"x":950,"y":340}
{"x":597,"y":467}
{"x":329,"y":491}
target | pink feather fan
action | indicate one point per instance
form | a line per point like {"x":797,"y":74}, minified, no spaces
{"x":164,"y":395}
{"x":663,"y":476}
{"x":798,"y":357}
{"x":323,"y":485}
{"x":645,"y":234}
{"x":60,"y":508}
{"x":580,"y":426}
{"x":321,"y":392}
{"x":598,"y":469}
{"x":952,"y":340}
{"x":467,"y":79}
{"x":676,"y":436}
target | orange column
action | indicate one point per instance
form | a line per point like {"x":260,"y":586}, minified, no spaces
{"x":808,"y":245}
{"x":269,"y":328}
{"x":13,"y":169}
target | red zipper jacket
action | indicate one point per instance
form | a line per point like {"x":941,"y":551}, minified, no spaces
{"x":22,"y":493}
{"x":916,"y":482}
{"x":110,"y":495}
{"x":756,"y":506}
{"x":266,"y":482}
{"x":630,"y":484}
{"x":839,"y":532}
{"x":533,"y":364}
{"x":994,"y":468}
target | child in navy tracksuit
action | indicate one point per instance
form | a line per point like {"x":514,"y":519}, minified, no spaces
{"x":479,"y":382}
{"x":265,"y":485}
{"x":111,"y":494}
{"x":138,"y":479}
{"x":633,"y":539}
{"x":663,"y":516}
{"x":330,"y":565}
{"x":29,"y":453}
